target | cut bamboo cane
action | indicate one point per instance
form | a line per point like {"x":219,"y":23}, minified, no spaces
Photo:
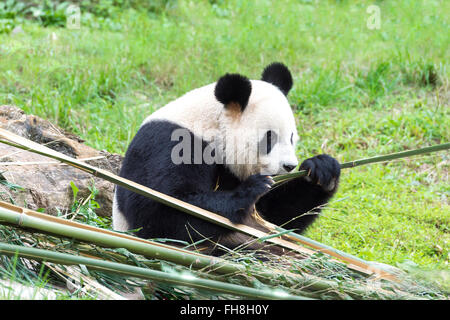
{"x":159,"y":276}
{"x":31,"y":146}
{"x":403,"y":154}
{"x":35,"y":163}
{"x":54,"y":225}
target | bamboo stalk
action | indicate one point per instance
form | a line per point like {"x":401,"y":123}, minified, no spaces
{"x":403,"y":154}
{"x":159,"y":276}
{"x":54,"y":225}
{"x":34,"y":163}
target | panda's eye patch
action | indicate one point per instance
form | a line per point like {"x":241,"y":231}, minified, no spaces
{"x":267,"y":142}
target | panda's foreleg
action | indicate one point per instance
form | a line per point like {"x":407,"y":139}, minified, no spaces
{"x":296,"y":204}
{"x":237,"y":204}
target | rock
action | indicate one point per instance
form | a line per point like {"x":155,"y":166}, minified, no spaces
{"x":46,"y":182}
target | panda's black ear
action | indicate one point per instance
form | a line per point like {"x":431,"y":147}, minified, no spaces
{"x":233,"y":88}
{"x":279,"y":75}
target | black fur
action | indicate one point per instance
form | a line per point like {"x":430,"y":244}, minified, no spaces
{"x":267,"y":143}
{"x":212,"y":187}
{"x":233,"y":88}
{"x":279,"y":75}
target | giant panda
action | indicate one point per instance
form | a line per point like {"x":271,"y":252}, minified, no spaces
{"x":217,"y":147}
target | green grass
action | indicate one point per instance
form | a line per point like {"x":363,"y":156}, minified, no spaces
{"x":357,"y":93}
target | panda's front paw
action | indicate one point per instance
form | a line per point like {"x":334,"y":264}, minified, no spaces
{"x":256,"y":186}
{"x":247,"y":194}
{"x":323,"y":170}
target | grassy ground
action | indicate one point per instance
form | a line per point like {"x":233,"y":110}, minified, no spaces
{"x":358,"y":93}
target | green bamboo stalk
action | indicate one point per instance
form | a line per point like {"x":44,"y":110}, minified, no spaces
{"x":403,"y":154}
{"x":148,"y":248}
{"x":159,"y":276}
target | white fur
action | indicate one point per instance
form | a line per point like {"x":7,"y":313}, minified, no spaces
{"x":118,"y":220}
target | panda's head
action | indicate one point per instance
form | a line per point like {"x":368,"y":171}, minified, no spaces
{"x":257,"y":127}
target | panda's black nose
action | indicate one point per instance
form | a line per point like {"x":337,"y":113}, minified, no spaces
{"x":288,"y":167}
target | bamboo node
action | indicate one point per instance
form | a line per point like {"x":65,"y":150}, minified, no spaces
{"x":21,"y":218}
